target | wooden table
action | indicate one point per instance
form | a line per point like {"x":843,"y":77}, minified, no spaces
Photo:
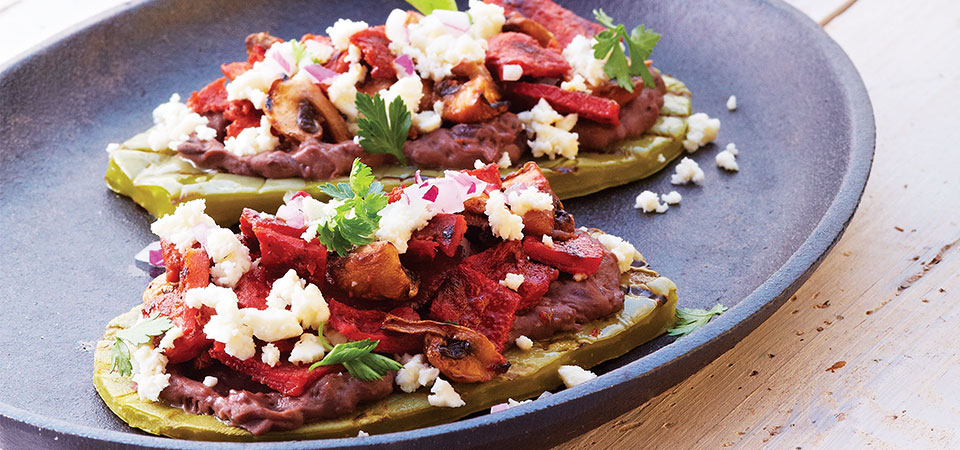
{"x":863,"y":355}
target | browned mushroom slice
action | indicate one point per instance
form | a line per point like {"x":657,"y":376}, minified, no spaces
{"x":516,"y":22}
{"x":462,"y":354}
{"x":373,"y":272}
{"x":264,"y":40}
{"x":475,"y":100}
{"x":299,"y":110}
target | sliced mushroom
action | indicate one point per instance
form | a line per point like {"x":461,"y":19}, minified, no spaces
{"x":461,"y":354}
{"x":373,"y":272}
{"x":264,"y":40}
{"x":299,"y":111}
{"x":516,"y":22}
{"x":475,"y":100}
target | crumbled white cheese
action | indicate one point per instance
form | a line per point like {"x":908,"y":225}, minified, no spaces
{"x":512,"y":281}
{"x":660,"y":158}
{"x":727,"y":159}
{"x":511,"y":403}
{"x":503,"y":223}
{"x":307,"y":350}
{"x":210,"y":382}
{"x":551,"y":131}
{"x":575,"y":375}
{"x":436,"y":44}
{"x":410,"y":89}
{"x":504,"y":162}
{"x":253,"y":140}
{"x":547,"y":240}
{"x":341,"y":31}
{"x":416,"y":372}
{"x":254,"y":84}
{"x":673,"y":198}
{"x":649,"y":202}
{"x":227,"y":325}
{"x":529,"y":199}
{"x":576,"y":84}
{"x":477,"y":164}
{"x":732,"y":103}
{"x":427,"y":121}
{"x":512,"y":72}
{"x":399,"y":220}
{"x":230,"y":257}
{"x":688,"y":170}
{"x":579,"y":53}
{"x":272,"y":324}
{"x":270,"y":355}
{"x":701,"y":130}
{"x":661,"y":286}
{"x":625,"y":252}
{"x":316,"y":213}
{"x":524,"y":343}
{"x":444,"y":395}
{"x":343,"y":90}
{"x":305,"y":300}
{"x":149,"y":372}
{"x":174,"y":122}
{"x":486,"y":19}
{"x":169,"y":337}
{"x":178,"y":228}
{"x":363,"y":434}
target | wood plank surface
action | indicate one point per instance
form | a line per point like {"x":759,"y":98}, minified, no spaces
{"x":864,"y":356}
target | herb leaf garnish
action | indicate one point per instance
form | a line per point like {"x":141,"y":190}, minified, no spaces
{"x":138,"y":334}
{"x":356,"y":218}
{"x":640,"y":43}
{"x":382,"y":130}
{"x":427,"y":6}
{"x":689,"y":319}
{"x":358,"y":358}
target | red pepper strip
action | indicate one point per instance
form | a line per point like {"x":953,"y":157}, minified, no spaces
{"x":250,"y":217}
{"x":587,"y":106}
{"x":563,"y":23}
{"x":360,"y":324}
{"x":472,"y":300}
{"x":395,"y":194}
{"x":195,"y":273}
{"x":172,"y":260}
{"x":280,"y":253}
{"x":253,"y":288}
{"x":375,"y":46}
{"x":242,"y":115}
{"x":235,"y":69}
{"x":212,"y":98}
{"x":579,"y":255}
{"x":509,"y":257}
{"x":443,"y":232}
{"x":489,"y":174}
{"x":524,"y":51}
{"x":285,"y":377}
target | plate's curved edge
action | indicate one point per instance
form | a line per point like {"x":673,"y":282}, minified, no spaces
{"x":705,"y":345}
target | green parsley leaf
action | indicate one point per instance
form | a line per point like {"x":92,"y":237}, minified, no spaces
{"x":138,"y":334}
{"x":640,"y":43}
{"x":383,"y":131}
{"x":689,"y":319}
{"x":358,"y":358}
{"x":356,"y":219}
{"x":120,"y":355}
{"x":427,"y":6}
{"x":299,"y":51}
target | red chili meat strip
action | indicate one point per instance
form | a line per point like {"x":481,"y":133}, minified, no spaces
{"x":563,"y":23}
{"x":472,"y":300}
{"x":509,"y":257}
{"x":286,"y":377}
{"x":580,"y":255}
{"x":233,"y":70}
{"x":280,"y":253}
{"x":253,"y":288}
{"x":212,"y":98}
{"x":526,"y":52}
{"x":489,"y":174}
{"x":587,"y":106}
{"x":172,"y":260}
{"x":360,"y":324}
{"x":241,"y":114}
{"x":375,"y":46}
{"x":195,"y":273}
{"x":444,"y":232}
{"x":250,"y":217}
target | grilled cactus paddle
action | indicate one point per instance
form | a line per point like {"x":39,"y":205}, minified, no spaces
{"x":159,"y":181}
{"x":645,"y":316}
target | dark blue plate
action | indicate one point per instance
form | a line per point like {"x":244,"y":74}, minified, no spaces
{"x":805,"y":129}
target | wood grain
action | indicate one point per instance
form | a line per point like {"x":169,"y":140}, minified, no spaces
{"x":865,"y":354}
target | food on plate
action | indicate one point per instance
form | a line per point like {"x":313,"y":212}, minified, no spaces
{"x":504,"y":82}
{"x":374,"y":311}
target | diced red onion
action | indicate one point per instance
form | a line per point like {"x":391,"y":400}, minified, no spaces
{"x":300,"y":194}
{"x":319,"y":73}
{"x":284,"y":64}
{"x":431,"y":195}
{"x":405,"y":62}
{"x":499,"y":407}
{"x":417,"y":178}
{"x":292,"y":215}
{"x":455,"y":20}
{"x":151,"y":254}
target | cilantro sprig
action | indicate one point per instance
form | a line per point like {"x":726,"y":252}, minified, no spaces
{"x":138,"y":334}
{"x":356,"y":217}
{"x":689,"y":319}
{"x":358,"y":358}
{"x":299,"y":51}
{"x":427,"y":6}
{"x":383,"y":130}
{"x":640,"y":43}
